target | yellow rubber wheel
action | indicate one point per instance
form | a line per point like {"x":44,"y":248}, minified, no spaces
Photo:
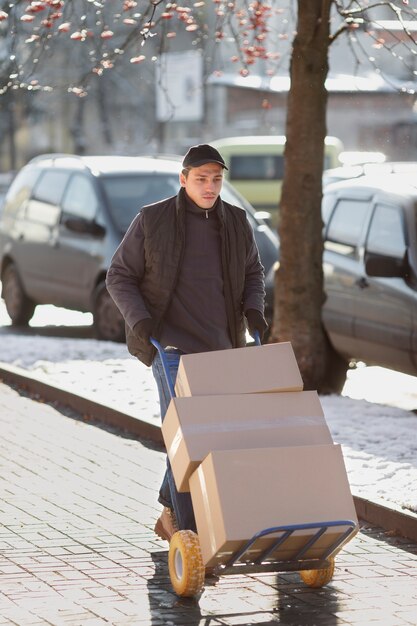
{"x":317,"y":578}
{"x":185,"y":563}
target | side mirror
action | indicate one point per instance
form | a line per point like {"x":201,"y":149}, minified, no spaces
{"x":82,"y":225}
{"x":383,"y":266}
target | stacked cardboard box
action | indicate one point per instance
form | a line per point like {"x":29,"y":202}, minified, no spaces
{"x":254,"y":450}
{"x":244,"y":370}
{"x":197,"y":425}
{"x":237,"y":493}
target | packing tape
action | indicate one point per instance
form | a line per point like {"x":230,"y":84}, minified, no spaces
{"x":222,"y":427}
{"x":254,"y":424}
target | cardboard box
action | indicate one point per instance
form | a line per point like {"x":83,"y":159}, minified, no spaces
{"x":237,"y":493}
{"x":254,"y":369}
{"x":195,"y":426}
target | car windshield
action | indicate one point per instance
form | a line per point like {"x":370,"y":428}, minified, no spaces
{"x":128,"y":193}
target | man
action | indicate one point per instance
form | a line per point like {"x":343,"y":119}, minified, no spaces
{"x":187,"y":272}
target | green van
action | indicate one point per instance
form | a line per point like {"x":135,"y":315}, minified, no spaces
{"x":256,"y":167}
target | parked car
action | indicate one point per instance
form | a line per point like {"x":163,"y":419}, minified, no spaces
{"x":65,"y":215}
{"x":370,"y":272}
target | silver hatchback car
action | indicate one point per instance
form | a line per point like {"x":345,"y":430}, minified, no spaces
{"x":63,"y":218}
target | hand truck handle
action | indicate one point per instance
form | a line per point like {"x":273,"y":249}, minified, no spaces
{"x":257,"y":338}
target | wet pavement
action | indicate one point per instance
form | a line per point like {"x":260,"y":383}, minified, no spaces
{"x":77,"y":510}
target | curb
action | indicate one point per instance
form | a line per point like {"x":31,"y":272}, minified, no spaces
{"x":392,"y":518}
{"x":84,"y":406}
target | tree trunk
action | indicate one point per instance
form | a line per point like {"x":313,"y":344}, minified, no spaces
{"x":299,"y":291}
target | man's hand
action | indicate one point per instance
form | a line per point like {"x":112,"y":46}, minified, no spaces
{"x":256,"y":322}
{"x":143,"y":330}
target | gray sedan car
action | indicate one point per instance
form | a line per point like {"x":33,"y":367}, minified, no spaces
{"x":370,"y":271}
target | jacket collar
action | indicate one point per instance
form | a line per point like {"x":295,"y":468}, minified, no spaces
{"x":183,"y":201}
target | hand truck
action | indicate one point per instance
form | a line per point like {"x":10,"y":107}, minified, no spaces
{"x":185,"y":562}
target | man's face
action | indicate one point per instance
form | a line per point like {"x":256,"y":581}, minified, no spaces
{"x":203,"y":184}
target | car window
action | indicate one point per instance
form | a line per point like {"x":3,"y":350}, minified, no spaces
{"x":51,"y":186}
{"x":327,"y":162}
{"x":127,"y":194}
{"x":20,"y":190}
{"x":327,"y":206}
{"x":256,"y":167}
{"x":386,"y":232}
{"x":80,"y":199}
{"x":346,"y":225}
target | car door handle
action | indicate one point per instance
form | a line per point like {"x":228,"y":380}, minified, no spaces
{"x":362,"y":282}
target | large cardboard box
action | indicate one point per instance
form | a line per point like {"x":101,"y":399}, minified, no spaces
{"x":197,"y":425}
{"x":254,"y":369}
{"x":237,"y":493}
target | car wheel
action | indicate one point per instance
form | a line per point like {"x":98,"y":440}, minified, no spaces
{"x":336,"y":370}
{"x":108,"y":321}
{"x":19,"y":307}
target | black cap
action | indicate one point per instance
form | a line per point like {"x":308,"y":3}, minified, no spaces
{"x":201,"y":154}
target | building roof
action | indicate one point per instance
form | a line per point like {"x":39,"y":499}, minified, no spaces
{"x":335,"y":83}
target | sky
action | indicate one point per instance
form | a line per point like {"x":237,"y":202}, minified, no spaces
{"x":372,"y":420}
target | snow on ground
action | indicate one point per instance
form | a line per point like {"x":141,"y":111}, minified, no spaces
{"x":379,"y":441}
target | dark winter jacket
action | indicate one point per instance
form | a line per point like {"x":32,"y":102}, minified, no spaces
{"x":163,"y":224}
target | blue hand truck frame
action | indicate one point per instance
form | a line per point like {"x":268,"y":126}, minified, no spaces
{"x":239,"y":562}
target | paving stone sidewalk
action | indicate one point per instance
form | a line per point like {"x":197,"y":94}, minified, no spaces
{"x":77,"y":508}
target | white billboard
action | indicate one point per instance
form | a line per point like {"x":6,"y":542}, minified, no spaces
{"x":179,"y":87}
